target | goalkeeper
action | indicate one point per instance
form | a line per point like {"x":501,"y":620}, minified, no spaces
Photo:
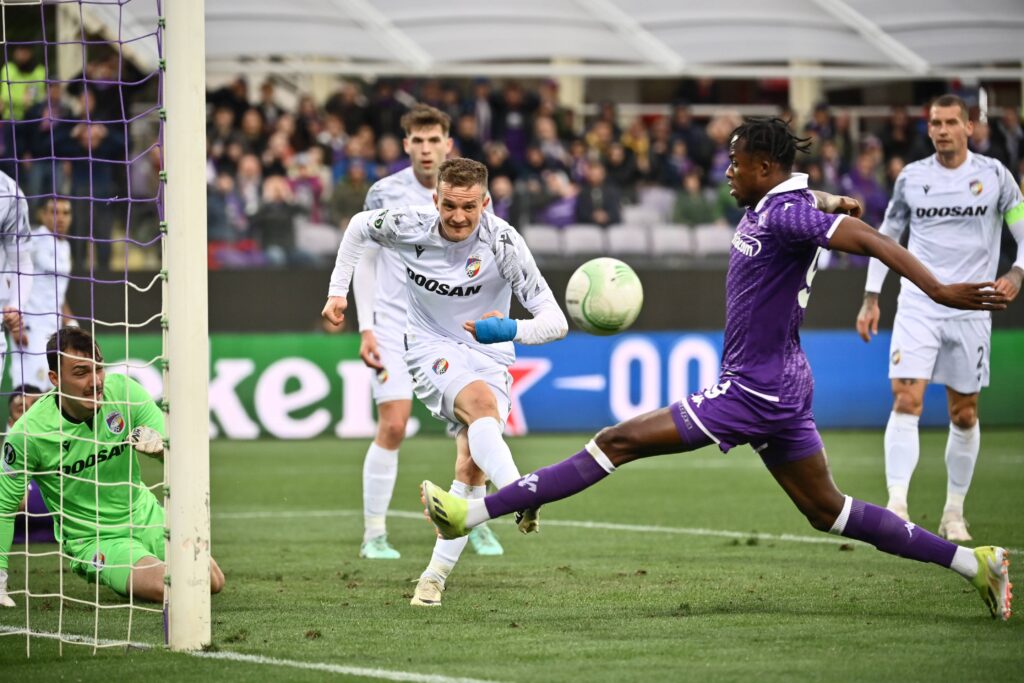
{"x":85,"y":433}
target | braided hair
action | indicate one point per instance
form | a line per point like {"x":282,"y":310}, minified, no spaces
{"x":771,"y":137}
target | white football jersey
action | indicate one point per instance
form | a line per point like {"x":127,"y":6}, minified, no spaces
{"x":396,"y":190}
{"x":955,"y":218}
{"x":449,"y":283}
{"x":51,"y":260}
{"x":14,"y":234}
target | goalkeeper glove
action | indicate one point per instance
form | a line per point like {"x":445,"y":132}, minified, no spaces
{"x":5,"y":600}
{"x":494,"y":330}
{"x":146,"y":440}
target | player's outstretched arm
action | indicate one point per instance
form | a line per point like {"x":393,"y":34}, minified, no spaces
{"x":854,"y":236}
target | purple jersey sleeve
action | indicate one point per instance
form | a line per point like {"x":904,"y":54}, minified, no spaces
{"x":799,"y":224}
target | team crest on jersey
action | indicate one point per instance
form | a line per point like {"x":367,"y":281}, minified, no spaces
{"x":976,"y":187}
{"x":440,"y":366}
{"x":9,"y":455}
{"x":115,"y":423}
{"x":382,"y":375}
{"x":99,"y":560}
{"x":473,"y":264}
{"x":896,"y":357}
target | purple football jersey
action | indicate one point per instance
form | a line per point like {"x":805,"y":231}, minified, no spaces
{"x":774,"y":259}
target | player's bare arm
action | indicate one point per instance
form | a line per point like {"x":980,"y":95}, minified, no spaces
{"x":854,"y":236}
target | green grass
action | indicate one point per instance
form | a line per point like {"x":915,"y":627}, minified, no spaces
{"x":572,"y":604}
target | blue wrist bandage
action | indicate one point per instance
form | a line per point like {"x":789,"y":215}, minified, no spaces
{"x":494,"y":330}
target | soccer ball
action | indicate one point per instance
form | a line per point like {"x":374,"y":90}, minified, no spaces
{"x":604,"y":296}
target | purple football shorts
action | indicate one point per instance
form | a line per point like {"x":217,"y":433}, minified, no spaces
{"x":728,"y":415}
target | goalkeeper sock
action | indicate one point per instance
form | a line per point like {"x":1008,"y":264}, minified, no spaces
{"x":446,"y":553}
{"x":380,"y":470}
{"x":490,"y":452}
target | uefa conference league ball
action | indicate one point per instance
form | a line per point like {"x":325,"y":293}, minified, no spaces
{"x":604,"y":296}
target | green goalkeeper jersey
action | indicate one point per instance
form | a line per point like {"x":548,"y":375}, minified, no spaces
{"x":87,"y":472}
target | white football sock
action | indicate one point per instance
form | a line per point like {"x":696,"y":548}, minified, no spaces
{"x":902,"y":450}
{"x":380,"y":470}
{"x":962,"y":448}
{"x":490,"y":452}
{"x":965,"y":563}
{"x":446,"y":553}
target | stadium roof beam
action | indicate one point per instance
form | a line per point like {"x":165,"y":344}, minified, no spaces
{"x":873,"y":33}
{"x":645,"y":42}
{"x":404,"y":47}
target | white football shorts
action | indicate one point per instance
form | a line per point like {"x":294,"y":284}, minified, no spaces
{"x":954,"y":352}
{"x":441,"y":369}
{"x":393,"y":383}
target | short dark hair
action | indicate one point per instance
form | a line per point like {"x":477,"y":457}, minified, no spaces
{"x":425,"y":116}
{"x":67,"y":339}
{"x":22,"y":390}
{"x":771,"y":137}
{"x":462,"y":172}
{"x":951,"y":100}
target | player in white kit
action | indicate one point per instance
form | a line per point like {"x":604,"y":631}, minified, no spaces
{"x":954,"y":203}
{"x":378,"y":285}
{"x":15,"y":258}
{"x":461,"y":267}
{"x":46,"y":306}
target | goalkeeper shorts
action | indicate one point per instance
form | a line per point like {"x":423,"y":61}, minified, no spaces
{"x":110,"y":560}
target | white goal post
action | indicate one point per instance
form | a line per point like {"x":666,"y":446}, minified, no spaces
{"x":186,"y":338}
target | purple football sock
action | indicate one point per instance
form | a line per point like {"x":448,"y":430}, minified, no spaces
{"x":890,"y":534}
{"x":547,"y":485}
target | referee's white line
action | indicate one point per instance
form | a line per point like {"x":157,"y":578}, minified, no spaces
{"x":383,"y":674}
{"x":577,"y":524}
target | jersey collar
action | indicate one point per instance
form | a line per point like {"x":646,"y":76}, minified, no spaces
{"x":796,"y":181}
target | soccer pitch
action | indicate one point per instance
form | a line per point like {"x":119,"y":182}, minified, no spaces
{"x":681,"y":567}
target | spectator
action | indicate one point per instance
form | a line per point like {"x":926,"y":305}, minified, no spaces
{"x":481,"y":108}
{"x":497,"y":160}
{"x":274,"y":224}
{"x":513,"y":122}
{"x":346,"y":104}
{"x":349,"y":194}
{"x":386,"y":111}
{"x":546,"y":138}
{"x":310,"y":182}
{"x":676,"y":165}
{"x":40,"y":139}
{"x":683,"y":127}
{"x":389,"y":154}
{"x":599,"y":202}
{"x":557,"y":200}
{"x":694,"y":205}
{"x":234,"y":96}
{"x":96,"y":148}
{"x":249,"y":183}
{"x":503,"y":199}
{"x":225,"y":211}
{"x":267,"y":105}
{"x":862,"y":184}
{"x":333,"y":138}
{"x":23,"y":80}
{"x":900,"y":139}
{"x":622,"y":171}
{"x":467,"y":138}
{"x":253,"y":132}
{"x":1008,"y":139}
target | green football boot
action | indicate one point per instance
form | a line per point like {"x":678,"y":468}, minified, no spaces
{"x":446,"y":511}
{"x":378,"y":548}
{"x":484,"y":541}
{"x":993,"y":580}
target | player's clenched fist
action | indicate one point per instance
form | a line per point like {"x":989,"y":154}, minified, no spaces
{"x":334,"y":309}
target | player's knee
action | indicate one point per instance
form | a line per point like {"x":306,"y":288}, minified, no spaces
{"x":964,"y":417}
{"x":907,"y":403}
{"x":390,"y":432}
{"x":618,"y":443}
{"x":216,"y":580}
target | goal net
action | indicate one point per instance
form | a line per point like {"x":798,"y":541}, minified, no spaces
{"x":90,"y":113}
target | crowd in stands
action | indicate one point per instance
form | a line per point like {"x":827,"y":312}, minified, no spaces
{"x":283,"y":182}
{"x":277,"y":176}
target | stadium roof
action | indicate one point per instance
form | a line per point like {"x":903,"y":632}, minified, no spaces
{"x":843,"y":39}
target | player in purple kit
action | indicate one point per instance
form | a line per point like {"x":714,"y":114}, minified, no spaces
{"x":763,"y":397}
